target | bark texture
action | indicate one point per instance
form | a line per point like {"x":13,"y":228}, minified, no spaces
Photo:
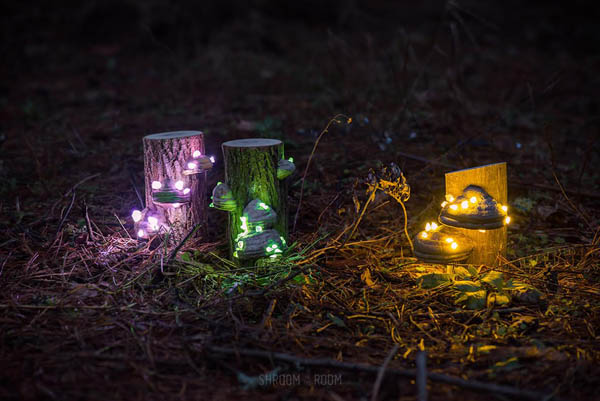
{"x":492,"y":178}
{"x":251,"y":173}
{"x":165,"y":158}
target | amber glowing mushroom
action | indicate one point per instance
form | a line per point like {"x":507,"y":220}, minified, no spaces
{"x":441,"y":244}
{"x":474,"y":210}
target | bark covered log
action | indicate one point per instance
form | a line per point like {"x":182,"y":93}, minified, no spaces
{"x":167,"y":157}
{"x":251,"y":173}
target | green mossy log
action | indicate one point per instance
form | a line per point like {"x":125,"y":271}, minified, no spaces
{"x":251,"y":173}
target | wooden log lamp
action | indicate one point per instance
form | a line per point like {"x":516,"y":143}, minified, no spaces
{"x":255,"y":195}
{"x":472,"y":221}
{"x":175,"y":182}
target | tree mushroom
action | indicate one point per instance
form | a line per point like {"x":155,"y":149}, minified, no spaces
{"x":198,"y":164}
{"x":222,"y":198}
{"x":170,"y":193}
{"x":285,"y":168}
{"x":266,"y":243}
{"x":441,"y":244}
{"x":259,"y":216}
{"x":474,"y":210}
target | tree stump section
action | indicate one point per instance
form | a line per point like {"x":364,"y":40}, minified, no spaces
{"x":487,"y":244}
{"x":175,"y":192}
{"x":251,"y":170}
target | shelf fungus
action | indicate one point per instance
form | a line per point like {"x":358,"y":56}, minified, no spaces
{"x":285,"y":168}
{"x":267,"y":243}
{"x":170,"y":193}
{"x":474,"y":210}
{"x":441,"y":244}
{"x":198,"y":163}
{"x":148,"y":223}
{"x":259,"y":216}
{"x":222,"y":198}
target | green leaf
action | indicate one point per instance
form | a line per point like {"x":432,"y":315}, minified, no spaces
{"x":433,"y":280}
{"x":494,"y":278}
{"x":472,"y":270}
{"x":498,"y":299}
{"x":525,"y":293}
{"x":462,"y":272}
{"x":473,"y":300}
{"x":466,"y":286}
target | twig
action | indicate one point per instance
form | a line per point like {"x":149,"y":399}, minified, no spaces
{"x":421,"y":376}
{"x":369,"y":200}
{"x":334,"y":119}
{"x":409,"y":373}
{"x":381,"y":372}
{"x":137,"y":192}
{"x":4,"y":263}
{"x":182,"y":242}
{"x":62,"y":221}
{"x":87,"y":222}
{"x":268,"y":314}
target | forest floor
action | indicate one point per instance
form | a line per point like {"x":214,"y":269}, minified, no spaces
{"x":89,"y":312}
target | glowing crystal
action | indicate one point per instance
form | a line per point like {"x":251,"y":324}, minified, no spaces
{"x":196,"y":154}
{"x":179,"y":185}
{"x":156,"y":185}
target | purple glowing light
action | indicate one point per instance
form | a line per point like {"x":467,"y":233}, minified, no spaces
{"x":136,"y":215}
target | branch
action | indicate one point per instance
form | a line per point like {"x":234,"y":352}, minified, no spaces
{"x":408,"y":373}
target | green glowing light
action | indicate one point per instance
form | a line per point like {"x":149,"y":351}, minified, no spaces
{"x":291,"y":159}
{"x":235,"y":254}
{"x":240,"y":245}
{"x":262,"y":206}
{"x":244,"y":225}
{"x":219,"y":183}
{"x":282,"y":240}
{"x":211,"y":205}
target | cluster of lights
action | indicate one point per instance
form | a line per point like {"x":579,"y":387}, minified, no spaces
{"x":465,"y":204}
{"x":432,"y":227}
{"x":151,"y":225}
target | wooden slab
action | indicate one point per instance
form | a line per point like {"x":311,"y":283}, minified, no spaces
{"x":492,"y":178}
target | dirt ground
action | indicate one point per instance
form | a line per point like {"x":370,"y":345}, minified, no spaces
{"x":89,"y":312}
